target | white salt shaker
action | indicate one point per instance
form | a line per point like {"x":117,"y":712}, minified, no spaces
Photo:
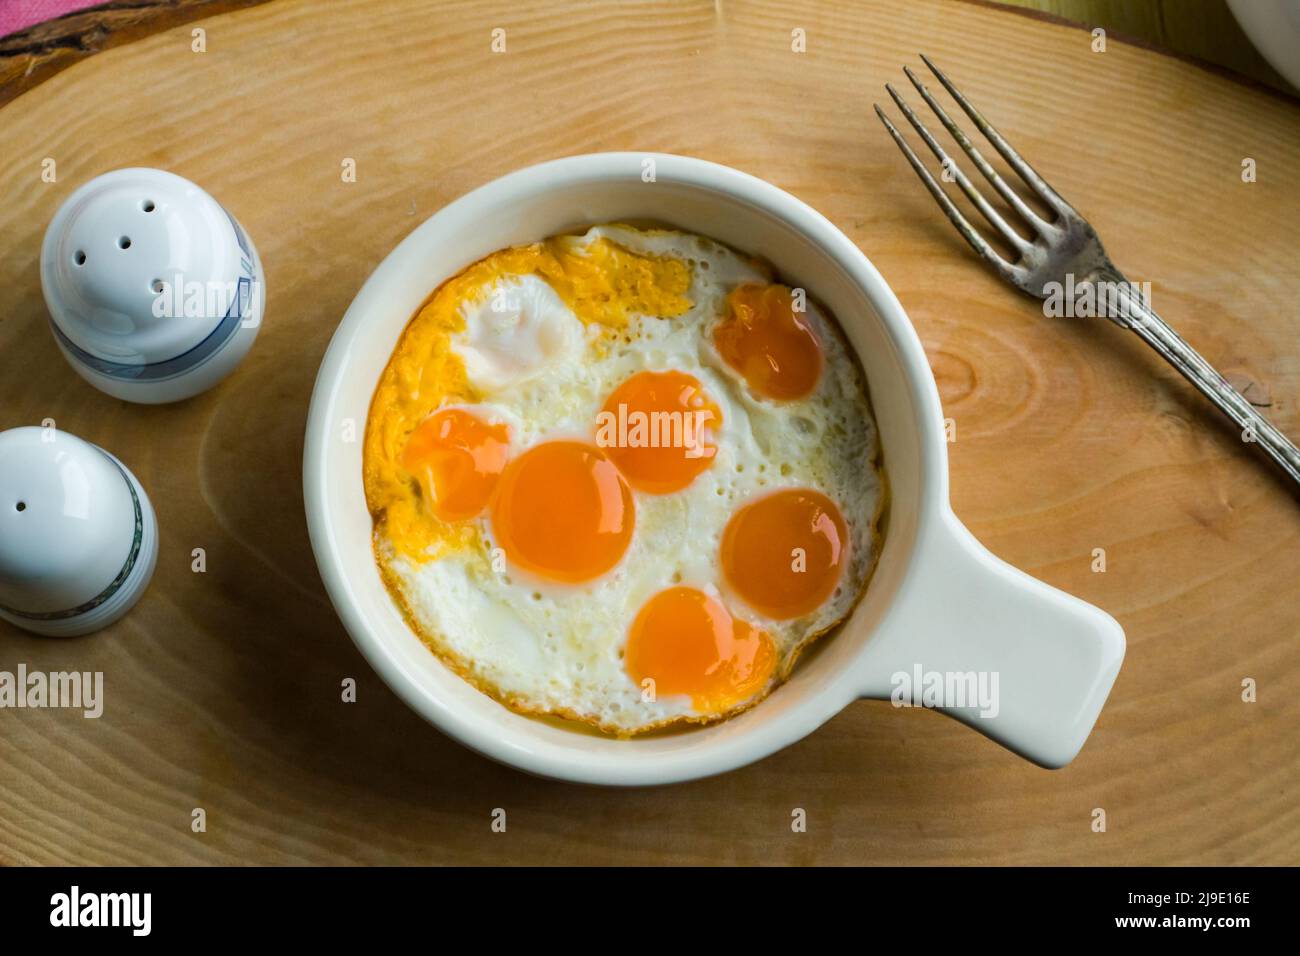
{"x":155,"y":291}
{"x":78,"y":536}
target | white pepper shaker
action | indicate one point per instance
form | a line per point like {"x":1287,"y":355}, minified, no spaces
{"x":155,"y":291}
{"x":78,"y":535}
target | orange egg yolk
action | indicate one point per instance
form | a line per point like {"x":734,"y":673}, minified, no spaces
{"x":457,"y":458}
{"x":783,"y":554}
{"x":563,"y":511}
{"x":659,"y":429}
{"x":771,"y":345}
{"x":688,"y":643}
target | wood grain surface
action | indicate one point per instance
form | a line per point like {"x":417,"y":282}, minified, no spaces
{"x":222,"y":688}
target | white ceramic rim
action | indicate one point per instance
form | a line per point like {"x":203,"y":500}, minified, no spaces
{"x":575,"y":764}
{"x":1273,"y":26}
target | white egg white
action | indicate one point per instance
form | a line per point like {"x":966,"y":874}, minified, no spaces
{"x":520,"y":328}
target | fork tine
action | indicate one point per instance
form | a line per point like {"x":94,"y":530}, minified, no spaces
{"x":977,"y":242}
{"x":1014,"y":160}
{"x":991,"y":174}
{"x":973,"y":194}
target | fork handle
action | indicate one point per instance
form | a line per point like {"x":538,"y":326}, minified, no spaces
{"x":1156,"y":332}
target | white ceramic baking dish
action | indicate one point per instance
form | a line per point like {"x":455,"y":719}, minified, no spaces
{"x":939,"y":603}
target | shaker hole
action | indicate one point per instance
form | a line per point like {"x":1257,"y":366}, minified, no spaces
{"x":157,"y":285}
{"x":21,"y":506}
{"x":147,"y":205}
{"x":124,"y":242}
{"x":79,"y":258}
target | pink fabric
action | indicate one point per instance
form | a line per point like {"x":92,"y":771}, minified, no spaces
{"x":18,"y":15}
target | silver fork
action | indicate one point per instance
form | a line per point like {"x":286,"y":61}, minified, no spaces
{"x":1066,"y":250}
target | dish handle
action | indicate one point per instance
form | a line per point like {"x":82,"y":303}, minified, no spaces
{"x":1018,"y":660}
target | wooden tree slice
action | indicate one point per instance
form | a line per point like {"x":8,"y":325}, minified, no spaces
{"x":222,"y":688}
